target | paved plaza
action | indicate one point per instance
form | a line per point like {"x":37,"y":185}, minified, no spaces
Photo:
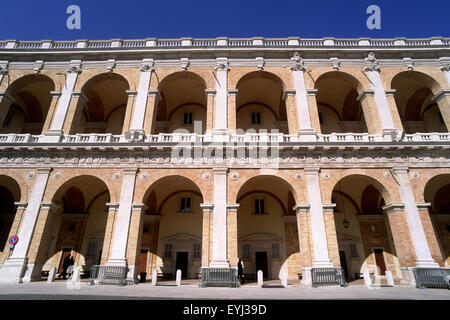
{"x":62,"y":290}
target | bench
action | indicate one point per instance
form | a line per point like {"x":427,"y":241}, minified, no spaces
{"x":108,"y":275}
{"x":327,"y":276}
{"x":219,"y":277}
{"x":432,"y":278}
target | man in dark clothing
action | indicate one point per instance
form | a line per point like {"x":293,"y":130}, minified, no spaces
{"x":67,"y":262}
{"x":240,"y":272}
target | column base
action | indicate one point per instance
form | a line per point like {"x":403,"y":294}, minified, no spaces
{"x":426,"y":264}
{"x":307,"y":135}
{"x":117,"y":262}
{"x":323,"y":264}
{"x":53,"y":136}
{"x":219,"y":264}
{"x":13,"y":270}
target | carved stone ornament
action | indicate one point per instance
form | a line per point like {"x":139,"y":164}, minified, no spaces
{"x":335,"y":63}
{"x":110,"y":65}
{"x":387,"y":174}
{"x":234,"y":175}
{"x":206,"y":176}
{"x":57,"y":175}
{"x":371,"y":63}
{"x":326,"y":175}
{"x":116,"y":175}
{"x":143,"y":175}
{"x":4,"y":71}
{"x":184,"y":63}
{"x":414,"y":175}
{"x":30,"y":175}
{"x":298,"y":176}
{"x":74,"y":69}
{"x":408,"y":63}
{"x":297,"y":63}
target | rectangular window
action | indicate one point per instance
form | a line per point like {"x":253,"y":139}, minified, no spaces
{"x":353,"y":251}
{"x":187,"y":118}
{"x":168,"y":251}
{"x":185,"y":206}
{"x":275,"y":250}
{"x":256,"y":117}
{"x":246,"y":251}
{"x":259,"y":206}
{"x":197,"y":251}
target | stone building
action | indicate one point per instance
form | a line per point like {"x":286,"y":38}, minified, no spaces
{"x":188,"y":153}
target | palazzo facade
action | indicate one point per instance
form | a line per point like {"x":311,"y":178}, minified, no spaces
{"x":187,"y":153}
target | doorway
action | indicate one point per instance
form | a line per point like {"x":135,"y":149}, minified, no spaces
{"x":182,"y":264}
{"x":379,"y":260}
{"x":343,"y":261}
{"x":66,"y":252}
{"x":261,"y":263}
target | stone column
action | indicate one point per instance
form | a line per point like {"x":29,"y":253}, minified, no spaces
{"x":137,"y":122}
{"x":232,"y":112}
{"x":113,"y":208}
{"x":390,"y":97}
{"x":5,"y":103}
{"x":3,"y":70}
{"x":150,"y":123}
{"x":373,"y":74}
{"x":13,"y":269}
{"x":120,"y":239}
{"x":289,"y":96}
{"x":430,"y":232}
{"x":443,"y":101}
{"x":445,"y":67}
{"x":305,"y":130}
{"x":418,"y":237}
{"x":319,"y":236}
{"x":135,"y":239}
{"x":371,"y":115}
{"x":232,"y":236}
{"x":207,"y":210}
{"x":51,"y":110}
{"x":56,"y":129}
{"x":219,"y":256}
{"x":129,"y":110}
{"x":314,"y":110}
{"x":220,"y":123}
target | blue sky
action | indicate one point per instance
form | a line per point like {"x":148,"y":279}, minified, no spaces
{"x":132,"y":19}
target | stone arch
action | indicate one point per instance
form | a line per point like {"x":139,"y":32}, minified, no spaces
{"x":19,"y":185}
{"x":388,"y":192}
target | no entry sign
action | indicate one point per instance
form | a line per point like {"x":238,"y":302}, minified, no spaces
{"x":13,"y":240}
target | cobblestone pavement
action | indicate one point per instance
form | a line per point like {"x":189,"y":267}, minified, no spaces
{"x":62,"y":291}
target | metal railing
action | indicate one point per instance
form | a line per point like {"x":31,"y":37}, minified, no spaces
{"x":328,"y":276}
{"x":432,"y":278}
{"x":108,"y":275}
{"x":219,"y":277}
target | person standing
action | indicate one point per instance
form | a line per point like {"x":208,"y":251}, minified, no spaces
{"x":240,"y":272}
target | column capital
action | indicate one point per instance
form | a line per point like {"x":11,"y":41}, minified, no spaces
{"x":390,"y":92}
{"x":311,"y":92}
{"x":311,"y":171}
{"x":445,"y":64}
{"x":329,"y":207}
{"x":371,"y":64}
{"x":440,"y":95}
{"x":51,"y":206}
{"x":153,"y":92}
{"x":220,"y":171}
{"x":232,"y":92}
{"x":365,"y":93}
{"x":139,"y":207}
{"x":210,"y":92}
{"x":79,"y":94}
{"x":74,"y":67}
{"x":393,"y":207}
{"x":130,"y":171}
{"x":112,"y":206}
{"x":400,"y":170}
{"x":21,"y":205}
{"x":147,"y":65}
{"x":43,"y":170}
{"x":131,"y":93}
{"x":301,"y":208}
{"x":206,"y":207}
{"x":55,"y":94}
{"x":289,"y":92}
{"x":222,"y":64}
{"x":424,"y":205}
{"x":232,"y":207}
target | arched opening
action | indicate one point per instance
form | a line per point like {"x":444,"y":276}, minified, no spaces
{"x":267,"y":229}
{"x":414,"y":92}
{"x":363,"y":232}
{"x":181,"y":103}
{"x":172,"y":229}
{"x":260,"y":103}
{"x":26,"y":104}
{"x":338,"y":105}
{"x":437,"y":193}
{"x":78,"y":226}
{"x":102,"y":107}
{"x":9,"y":194}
